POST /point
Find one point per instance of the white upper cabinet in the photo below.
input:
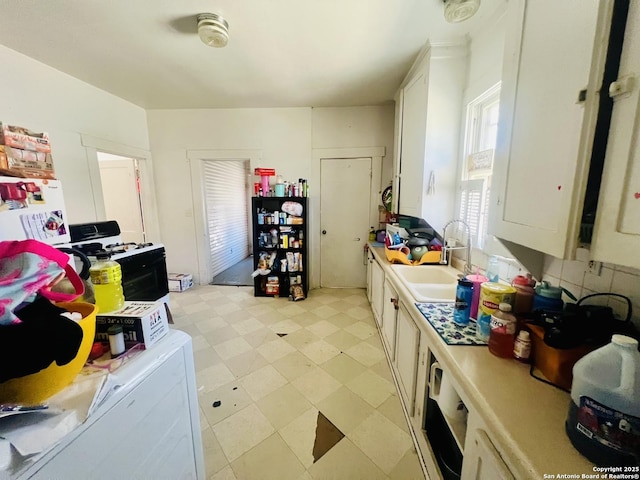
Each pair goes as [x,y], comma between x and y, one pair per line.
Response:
[617,227]
[552,55]
[427,134]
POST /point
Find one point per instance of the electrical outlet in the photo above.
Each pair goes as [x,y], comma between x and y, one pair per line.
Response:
[594,267]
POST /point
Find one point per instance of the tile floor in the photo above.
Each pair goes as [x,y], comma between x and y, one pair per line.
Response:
[274,365]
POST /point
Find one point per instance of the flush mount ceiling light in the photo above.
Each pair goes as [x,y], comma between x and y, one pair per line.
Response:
[213,30]
[456,11]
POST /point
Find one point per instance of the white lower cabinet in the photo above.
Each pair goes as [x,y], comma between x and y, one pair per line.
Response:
[407,345]
[377,290]
[482,460]
[389,319]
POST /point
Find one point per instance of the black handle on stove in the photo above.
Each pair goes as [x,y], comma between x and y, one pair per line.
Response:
[86,263]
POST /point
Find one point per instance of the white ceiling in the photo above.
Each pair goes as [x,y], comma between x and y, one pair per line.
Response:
[281,53]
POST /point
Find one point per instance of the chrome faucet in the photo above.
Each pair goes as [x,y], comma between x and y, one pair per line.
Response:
[447,249]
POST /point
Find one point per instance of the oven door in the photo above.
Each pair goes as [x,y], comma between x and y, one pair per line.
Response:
[144,276]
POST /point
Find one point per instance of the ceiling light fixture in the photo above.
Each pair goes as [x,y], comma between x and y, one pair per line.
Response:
[456,11]
[213,30]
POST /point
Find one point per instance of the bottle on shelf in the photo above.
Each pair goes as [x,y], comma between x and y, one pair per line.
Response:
[503,331]
[522,347]
[106,277]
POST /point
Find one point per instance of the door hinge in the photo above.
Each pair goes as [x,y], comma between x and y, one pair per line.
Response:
[622,86]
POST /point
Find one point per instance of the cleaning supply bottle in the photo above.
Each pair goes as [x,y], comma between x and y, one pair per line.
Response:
[493,269]
[503,331]
[603,423]
[106,277]
[372,235]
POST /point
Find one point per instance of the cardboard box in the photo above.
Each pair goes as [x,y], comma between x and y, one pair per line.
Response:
[142,322]
[179,282]
[24,139]
[26,162]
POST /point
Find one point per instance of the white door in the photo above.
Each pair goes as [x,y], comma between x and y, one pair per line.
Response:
[345,193]
[121,192]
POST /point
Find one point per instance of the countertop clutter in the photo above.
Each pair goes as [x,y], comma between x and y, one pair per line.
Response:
[524,419]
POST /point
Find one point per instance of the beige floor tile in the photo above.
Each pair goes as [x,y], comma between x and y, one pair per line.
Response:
[392,409]
[262,382]
[306,319]
[382,368]
[294,365]
[361,330]
[320,351]
[361,313]
[224,309]
[342,320]
[357,298]
[316,385]
[300,338]
[375,341]
[231,348]
[199,342]
[324,298]
[195,307]
[213,377]
[371,388]
[325,312]
[305,476]
[300,435]
[205,357]
[345,409]
[242,431]
[385,454]
[214,459]
[258,337]
[232,398]
[408,468]
[342,340]
[285,326]
[225,474]
[245,363]
[220,335]
[343,368]
[246,326]
[292,309]
[272,459]
[322,328]
[275,349]
[283,405]
[211,324]
[345,461]
[365,354]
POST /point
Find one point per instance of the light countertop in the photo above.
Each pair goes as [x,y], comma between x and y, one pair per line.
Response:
[524,417]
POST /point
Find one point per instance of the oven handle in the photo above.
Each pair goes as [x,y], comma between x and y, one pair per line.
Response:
[86,263]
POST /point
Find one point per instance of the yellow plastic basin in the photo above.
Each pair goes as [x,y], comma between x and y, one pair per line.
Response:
[38,387]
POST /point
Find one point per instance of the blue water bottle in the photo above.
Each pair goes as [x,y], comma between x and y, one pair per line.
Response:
[464,298]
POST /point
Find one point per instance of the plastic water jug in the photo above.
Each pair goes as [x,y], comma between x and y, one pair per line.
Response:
[106,277]
[604,415]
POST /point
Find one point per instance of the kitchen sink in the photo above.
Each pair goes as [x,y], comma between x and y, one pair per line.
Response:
[429,283]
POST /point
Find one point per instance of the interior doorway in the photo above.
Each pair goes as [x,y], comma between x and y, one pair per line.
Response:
[226,195]
[121,190]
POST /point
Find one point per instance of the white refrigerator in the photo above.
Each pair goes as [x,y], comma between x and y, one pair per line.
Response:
[33,208]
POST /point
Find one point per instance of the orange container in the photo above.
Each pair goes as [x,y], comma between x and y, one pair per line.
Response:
[555,364]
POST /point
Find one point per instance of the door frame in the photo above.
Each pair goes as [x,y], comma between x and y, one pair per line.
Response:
[92,146]
[196,159]
[376,154]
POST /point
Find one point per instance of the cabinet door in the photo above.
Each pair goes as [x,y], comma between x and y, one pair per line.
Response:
[407,344]
[482,461]
[413,132]
[377,290]
[546,132]
[389,316]
[617,227]
[370,260]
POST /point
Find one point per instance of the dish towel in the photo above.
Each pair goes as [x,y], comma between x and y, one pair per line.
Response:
[440,316]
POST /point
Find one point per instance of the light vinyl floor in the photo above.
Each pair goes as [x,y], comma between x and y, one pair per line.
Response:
[292,379]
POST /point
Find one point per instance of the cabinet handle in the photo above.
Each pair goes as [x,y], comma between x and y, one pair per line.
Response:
[395,303]
[324,232]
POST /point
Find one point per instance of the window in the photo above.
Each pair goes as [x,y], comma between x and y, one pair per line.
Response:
[477,165]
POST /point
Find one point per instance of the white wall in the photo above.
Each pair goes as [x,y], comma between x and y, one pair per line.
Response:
[41,98]
[285,138]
